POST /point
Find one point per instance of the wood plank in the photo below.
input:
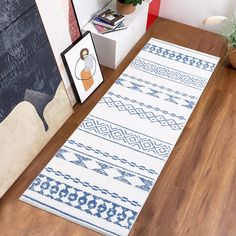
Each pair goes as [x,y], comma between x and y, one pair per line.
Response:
[195,193]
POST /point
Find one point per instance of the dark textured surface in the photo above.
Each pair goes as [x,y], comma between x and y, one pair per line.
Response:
[28,70]
[11,10]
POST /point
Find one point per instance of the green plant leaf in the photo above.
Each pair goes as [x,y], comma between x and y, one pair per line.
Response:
[230,32]
[133,2]
[127,1]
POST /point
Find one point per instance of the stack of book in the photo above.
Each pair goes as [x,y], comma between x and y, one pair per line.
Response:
[109,21]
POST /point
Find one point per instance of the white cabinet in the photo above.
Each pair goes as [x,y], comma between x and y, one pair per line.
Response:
[113,47]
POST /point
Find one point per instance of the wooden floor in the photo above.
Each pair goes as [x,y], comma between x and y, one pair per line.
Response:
[195,194]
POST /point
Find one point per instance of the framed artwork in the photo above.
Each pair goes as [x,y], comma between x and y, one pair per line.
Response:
[82,66]
[33,100]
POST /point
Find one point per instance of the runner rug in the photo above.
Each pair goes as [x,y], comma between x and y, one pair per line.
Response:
[101,177]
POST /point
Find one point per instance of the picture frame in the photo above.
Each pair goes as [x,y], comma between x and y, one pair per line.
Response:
[82,66]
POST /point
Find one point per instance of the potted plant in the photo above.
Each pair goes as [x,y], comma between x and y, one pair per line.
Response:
[127,6]
[231,39]
[228,29]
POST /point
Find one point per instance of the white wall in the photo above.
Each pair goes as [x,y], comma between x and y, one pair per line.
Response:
[86,9]
[193,12]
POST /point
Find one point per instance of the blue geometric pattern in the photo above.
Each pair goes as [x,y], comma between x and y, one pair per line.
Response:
[94,187]
[100,166]
[168,73]
[125,137]
[146,184]
[178,100]
[141,113]
[107,155]
[145,105]
[102,169]
[179,57]
[152,85]
[102,175]
[79,199]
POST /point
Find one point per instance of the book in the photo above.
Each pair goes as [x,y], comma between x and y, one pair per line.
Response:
[103,30]
[98,21]
[112,17]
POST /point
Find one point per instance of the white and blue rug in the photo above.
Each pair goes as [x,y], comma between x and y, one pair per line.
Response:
[102,176]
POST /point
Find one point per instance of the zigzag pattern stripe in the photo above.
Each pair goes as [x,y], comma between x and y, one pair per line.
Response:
[179,57]
[83,201]
[170,74]
[126,137]
[93,187]
[158,86]
[147,106]
[141,113]
[113,157]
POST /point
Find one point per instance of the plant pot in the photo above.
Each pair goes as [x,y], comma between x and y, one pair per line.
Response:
[232,57]
[124,9]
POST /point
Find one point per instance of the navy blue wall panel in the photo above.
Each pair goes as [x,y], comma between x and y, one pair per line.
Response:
[28,71]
